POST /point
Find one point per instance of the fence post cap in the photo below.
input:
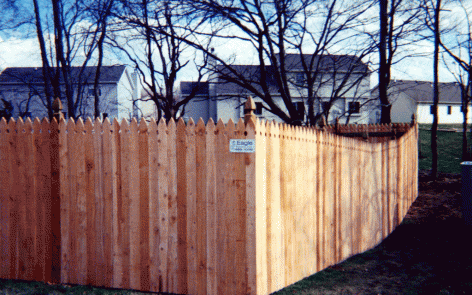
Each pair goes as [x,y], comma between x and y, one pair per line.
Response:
[249,108]
[57,105]
[57,108]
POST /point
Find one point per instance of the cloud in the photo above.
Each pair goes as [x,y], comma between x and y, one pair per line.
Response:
[19,53]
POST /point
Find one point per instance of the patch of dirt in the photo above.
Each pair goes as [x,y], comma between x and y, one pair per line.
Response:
[429,253]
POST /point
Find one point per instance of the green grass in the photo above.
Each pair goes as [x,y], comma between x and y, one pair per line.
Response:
[30,288]
[449,149]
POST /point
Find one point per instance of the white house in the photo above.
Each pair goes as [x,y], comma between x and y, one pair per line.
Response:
[342,82]
[119,90]
[416,97]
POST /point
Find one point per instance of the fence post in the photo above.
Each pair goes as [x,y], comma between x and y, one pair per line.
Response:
[249,108]
[55,216]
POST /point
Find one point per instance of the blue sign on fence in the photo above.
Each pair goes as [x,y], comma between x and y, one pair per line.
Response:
[242,145]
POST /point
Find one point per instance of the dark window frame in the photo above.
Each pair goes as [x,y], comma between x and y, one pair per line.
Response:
[354,107]
[259,108]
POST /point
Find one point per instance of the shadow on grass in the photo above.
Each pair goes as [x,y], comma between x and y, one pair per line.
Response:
[429,258]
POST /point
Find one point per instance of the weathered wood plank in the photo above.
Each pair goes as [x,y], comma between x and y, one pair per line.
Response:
[200,210]
[6,178]
[134,207]
[251,266]
[191,209]
[153,206]
[91,210]
[81,213]
[109,183]
[143,149]
[173,233]
[163,204]
[181,160]
[124,206]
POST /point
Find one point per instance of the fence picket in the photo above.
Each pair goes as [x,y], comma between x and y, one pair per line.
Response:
[190,167]
[99,199]
[108,178]
[143,158]
[173,234]
[5,203]
[168,208]
[181,160]
[211,209]
[90,210]
[163,204]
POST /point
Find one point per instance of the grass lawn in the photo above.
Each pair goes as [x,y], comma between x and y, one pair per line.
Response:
[449,149]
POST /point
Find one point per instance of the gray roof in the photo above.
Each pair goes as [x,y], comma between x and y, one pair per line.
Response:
[326,63]
[202,88]
[30,75]
[293,63]
[422,91]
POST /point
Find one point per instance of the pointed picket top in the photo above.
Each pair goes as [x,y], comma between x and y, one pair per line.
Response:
[116,126]
[124,126]
[210,127]
[3,125]
[79,126]
[200,127]
[152,127]
[191,122]
[28,127]
[152,122]
[162,127]
[181,125]
[36,124]
[171,126]
[220,128]
[269,129]
[54,122]
[240,127]
[11,125]
[133,126]
[230,128]
[20,125]
[88,124]
[106,124]
[97,121]
[190,129]
[70,125]
[143,127]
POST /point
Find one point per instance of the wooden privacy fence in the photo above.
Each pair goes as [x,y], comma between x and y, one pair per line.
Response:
[168,207]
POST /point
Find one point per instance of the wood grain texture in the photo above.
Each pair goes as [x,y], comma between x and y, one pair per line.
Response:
[167,207]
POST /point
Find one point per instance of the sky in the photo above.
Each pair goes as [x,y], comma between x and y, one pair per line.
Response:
[24,52]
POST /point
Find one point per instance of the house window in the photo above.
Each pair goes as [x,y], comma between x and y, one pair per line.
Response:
[325,106]
[354,107]
[300,78]
[92,93]
[300,107]
[258,110]
[431,110]
[449,110]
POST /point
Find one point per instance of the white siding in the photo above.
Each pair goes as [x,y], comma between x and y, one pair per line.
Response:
[456,117]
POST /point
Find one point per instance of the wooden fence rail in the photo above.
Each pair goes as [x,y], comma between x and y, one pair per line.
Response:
[167,207]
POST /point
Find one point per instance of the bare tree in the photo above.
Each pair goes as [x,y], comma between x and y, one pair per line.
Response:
[153,42]
[77,34]
[461,53]
[400,25]
[276,30]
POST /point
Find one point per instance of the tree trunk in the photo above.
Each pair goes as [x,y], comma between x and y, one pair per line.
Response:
[434,131]
[383,69]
